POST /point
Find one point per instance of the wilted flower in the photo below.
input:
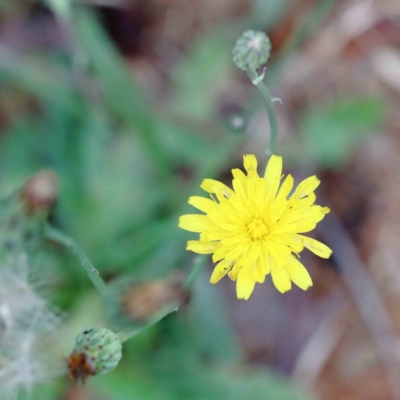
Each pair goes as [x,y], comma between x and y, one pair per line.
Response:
[255,229]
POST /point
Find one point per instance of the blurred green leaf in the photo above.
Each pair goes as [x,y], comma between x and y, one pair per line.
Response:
[120,91]
[199,78]
[41,78]
[266,13]
[211,328]
[332,132]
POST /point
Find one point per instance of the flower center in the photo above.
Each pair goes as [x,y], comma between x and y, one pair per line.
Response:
[257,229]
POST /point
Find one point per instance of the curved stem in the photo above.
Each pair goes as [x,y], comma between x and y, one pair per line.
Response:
[64,240]
[273,122]
[129,333]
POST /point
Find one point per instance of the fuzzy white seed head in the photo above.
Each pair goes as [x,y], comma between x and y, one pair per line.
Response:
[26,320]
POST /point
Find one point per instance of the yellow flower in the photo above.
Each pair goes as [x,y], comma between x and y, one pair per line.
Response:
[255,229]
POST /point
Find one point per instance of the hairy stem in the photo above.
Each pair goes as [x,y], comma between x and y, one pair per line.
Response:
[269,105]
[67,242]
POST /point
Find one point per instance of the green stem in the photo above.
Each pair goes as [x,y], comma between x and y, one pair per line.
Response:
[199,263]
[64,240]
[273,122]
[129,333]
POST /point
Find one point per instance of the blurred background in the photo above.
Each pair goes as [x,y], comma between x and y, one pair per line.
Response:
[132,103]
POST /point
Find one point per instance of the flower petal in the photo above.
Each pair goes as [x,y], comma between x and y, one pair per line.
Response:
[232,252]
[250,165]
[315,246]
[195,223]
[202,203]
[245,284]
[306,187]
[272,177]
[295,244]
[202,247]
[281,279]
[298,273]
[213,186]
[220,270]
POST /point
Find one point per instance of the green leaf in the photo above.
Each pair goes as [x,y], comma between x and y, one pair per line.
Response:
[211,328]
[267,13]
[120,91]
[41,78]
[199,78]
[331,133]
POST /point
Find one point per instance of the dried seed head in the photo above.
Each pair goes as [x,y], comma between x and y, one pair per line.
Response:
[97,351]
[27,322]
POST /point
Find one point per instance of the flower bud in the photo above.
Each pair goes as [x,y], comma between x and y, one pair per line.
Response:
[136,303]
[23,215]
[251,50]
[40,191]
[97,351]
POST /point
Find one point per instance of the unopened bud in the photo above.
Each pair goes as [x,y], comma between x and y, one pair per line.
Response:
[135,303]
[97,351]
[40,191]
[251,50]
[23,215]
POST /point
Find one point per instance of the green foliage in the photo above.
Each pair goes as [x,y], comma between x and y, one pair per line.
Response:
[126,168]
[267,13]
[332,132]
[178,372]
[200,76]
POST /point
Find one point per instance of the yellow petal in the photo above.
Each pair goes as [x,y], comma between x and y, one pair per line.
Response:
[286,187]
[263,261]
[280,203]
[259,276]
[230,252]
[250,165]
[202,247]
[211,236]
[298,273]
[202,203]
[295,244]
[213,186]
[272,178]
[278,254]
[239,174]
[234,272]
[226,223]
[281,279]
[220,270]
[302,226]
[315,246]
[236,240]
[306,187]
[195,223]
[253,260]
[240,189]
[245,284]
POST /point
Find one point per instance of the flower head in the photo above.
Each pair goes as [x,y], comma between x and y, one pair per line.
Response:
[256,228]
[97,351]
[251,50]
